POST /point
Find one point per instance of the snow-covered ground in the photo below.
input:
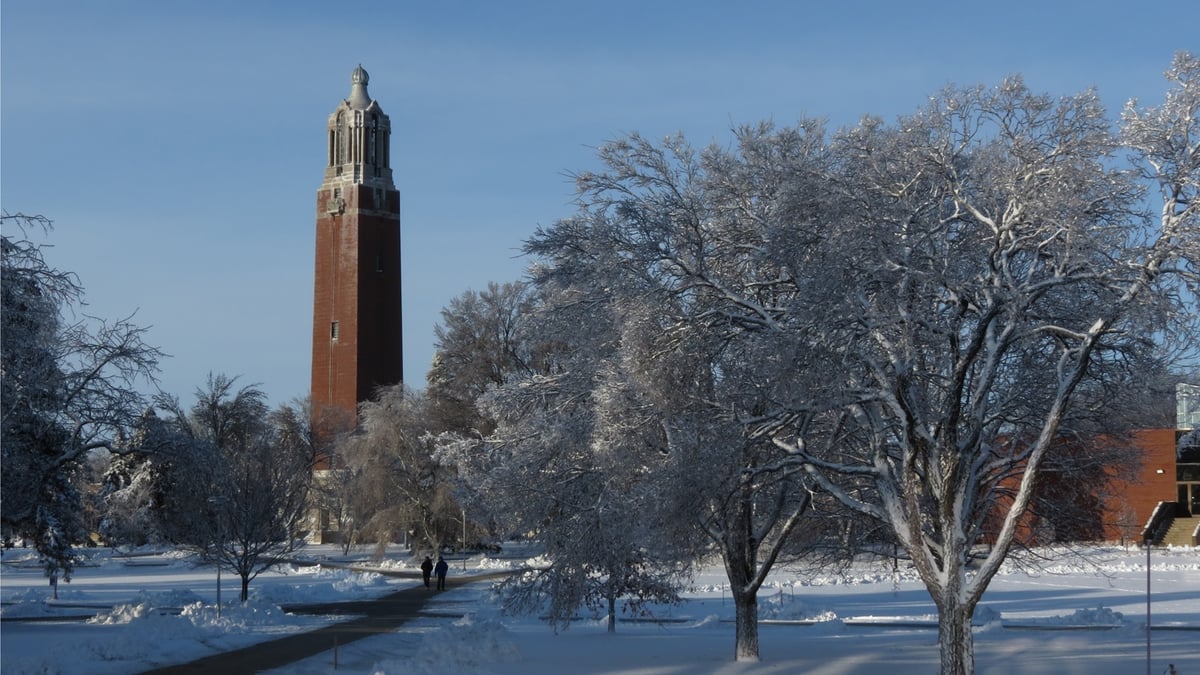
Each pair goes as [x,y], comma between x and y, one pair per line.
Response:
[1073,616]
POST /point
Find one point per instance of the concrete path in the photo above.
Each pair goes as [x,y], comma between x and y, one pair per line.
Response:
[372,617]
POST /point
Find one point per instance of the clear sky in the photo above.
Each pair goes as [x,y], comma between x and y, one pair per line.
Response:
[178,146]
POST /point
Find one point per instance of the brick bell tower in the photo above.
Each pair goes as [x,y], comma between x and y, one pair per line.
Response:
[357,344]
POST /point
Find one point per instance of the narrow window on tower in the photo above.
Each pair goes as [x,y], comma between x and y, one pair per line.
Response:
[333,331]
[372,157]
[339,150]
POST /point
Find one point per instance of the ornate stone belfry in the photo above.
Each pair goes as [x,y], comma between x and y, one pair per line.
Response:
[359,139]
[357,345]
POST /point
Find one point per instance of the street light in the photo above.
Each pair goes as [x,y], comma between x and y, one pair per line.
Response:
[1149,542]
[219,501]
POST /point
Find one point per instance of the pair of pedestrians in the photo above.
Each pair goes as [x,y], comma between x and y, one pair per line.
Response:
[439,569]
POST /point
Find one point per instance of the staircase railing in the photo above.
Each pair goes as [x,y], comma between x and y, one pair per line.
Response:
[1160,521]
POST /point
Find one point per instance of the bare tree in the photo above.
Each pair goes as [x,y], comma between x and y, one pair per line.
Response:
[259,504]
[250,471]
[68,389]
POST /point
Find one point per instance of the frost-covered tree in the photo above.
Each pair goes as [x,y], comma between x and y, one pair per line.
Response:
[260,502]
[665,239]
[134,487]
[336,500]
[595,521]
[924,318]
[479,343]
[250,471]
[989,274]
[156,483]
[69,387]
[556,470]
[483,342]
[389,468]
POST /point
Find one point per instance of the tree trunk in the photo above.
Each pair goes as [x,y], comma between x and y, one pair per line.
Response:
[741,555]
[955,639]
[245,587]
[612,612]
[746,639]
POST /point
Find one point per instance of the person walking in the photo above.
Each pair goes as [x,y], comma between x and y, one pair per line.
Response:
[440,570]
[426,570]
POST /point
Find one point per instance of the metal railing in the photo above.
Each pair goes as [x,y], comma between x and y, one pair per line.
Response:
[1160,521]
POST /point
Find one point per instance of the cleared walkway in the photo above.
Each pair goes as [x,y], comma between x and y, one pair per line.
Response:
[373,617]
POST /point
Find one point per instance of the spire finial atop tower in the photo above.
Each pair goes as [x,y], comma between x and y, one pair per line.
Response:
[359,99]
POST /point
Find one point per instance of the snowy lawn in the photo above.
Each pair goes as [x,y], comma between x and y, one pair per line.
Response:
[1072,617]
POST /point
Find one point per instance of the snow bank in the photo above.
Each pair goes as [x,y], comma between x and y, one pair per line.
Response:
[321,584]
[466,646]
[1101,617]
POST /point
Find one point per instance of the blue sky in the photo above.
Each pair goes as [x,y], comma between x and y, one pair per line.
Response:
[178,146]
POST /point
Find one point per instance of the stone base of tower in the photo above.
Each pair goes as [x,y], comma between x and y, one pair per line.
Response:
[322,522]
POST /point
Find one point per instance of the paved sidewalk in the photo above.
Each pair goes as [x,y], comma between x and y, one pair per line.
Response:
[373,617]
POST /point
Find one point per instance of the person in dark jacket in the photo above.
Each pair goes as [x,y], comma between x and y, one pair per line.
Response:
[426,570]
[440,570]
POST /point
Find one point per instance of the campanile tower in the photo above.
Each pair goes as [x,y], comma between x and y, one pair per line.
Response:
[356,343]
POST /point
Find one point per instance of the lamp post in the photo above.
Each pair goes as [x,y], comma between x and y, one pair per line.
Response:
[1149,541]
[218,502]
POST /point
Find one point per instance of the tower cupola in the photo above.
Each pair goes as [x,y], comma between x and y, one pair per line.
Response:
[359,98]
[359,139]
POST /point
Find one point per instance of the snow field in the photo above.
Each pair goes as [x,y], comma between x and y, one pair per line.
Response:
[1075,616]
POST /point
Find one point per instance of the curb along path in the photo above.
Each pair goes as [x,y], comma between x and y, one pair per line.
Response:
[373,617]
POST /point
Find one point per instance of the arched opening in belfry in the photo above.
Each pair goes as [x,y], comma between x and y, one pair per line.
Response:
[340,138]
[372,144]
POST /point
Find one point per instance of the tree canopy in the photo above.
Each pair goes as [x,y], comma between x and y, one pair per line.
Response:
[70,386]
[915,318]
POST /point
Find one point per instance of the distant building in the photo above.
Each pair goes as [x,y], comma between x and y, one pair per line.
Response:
[1163,502]
[1133,498]
[1159,501]
[356,340]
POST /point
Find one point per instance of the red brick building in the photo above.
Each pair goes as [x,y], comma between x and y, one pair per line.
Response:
[1134,497]
[1074,504]
[356,343]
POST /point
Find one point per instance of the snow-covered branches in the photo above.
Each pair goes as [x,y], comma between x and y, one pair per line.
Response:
[392,482]
[230,476]
[920,318]
[69,387]
[481,342]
